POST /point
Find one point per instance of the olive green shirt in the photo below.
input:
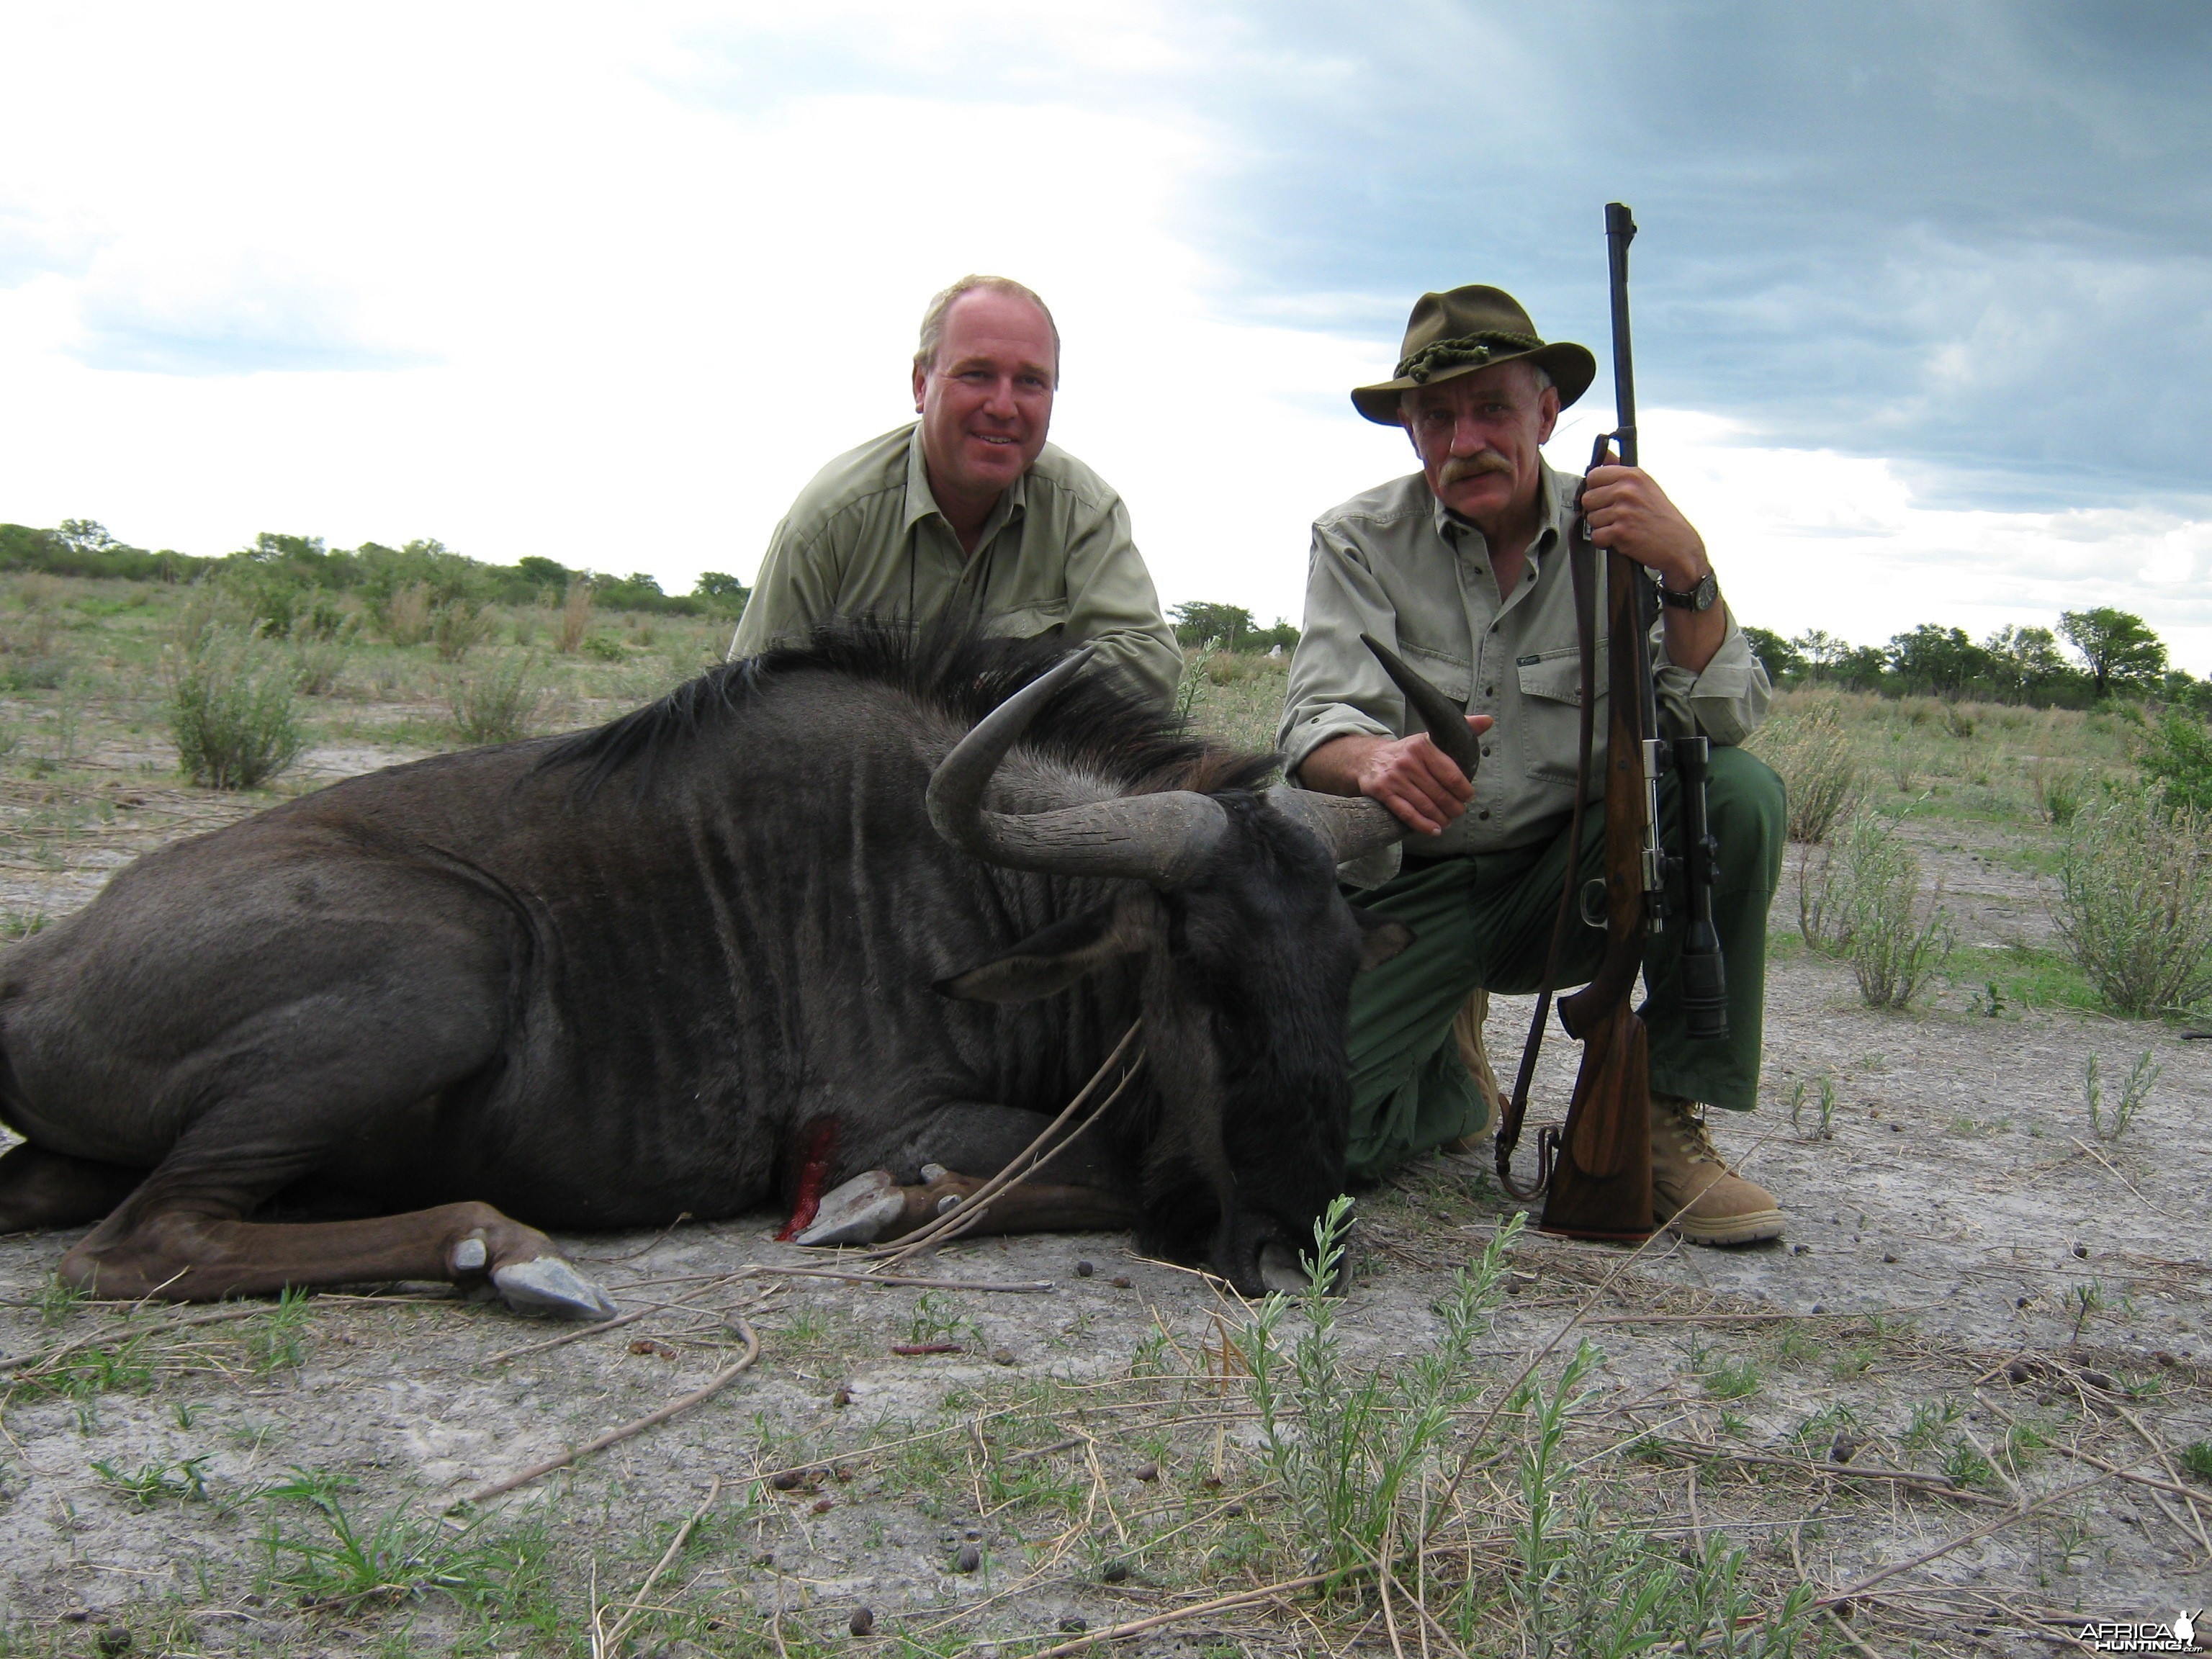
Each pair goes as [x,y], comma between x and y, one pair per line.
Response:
[1395,563]
[866,537]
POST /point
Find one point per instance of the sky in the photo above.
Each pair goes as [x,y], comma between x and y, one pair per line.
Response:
[1922,293]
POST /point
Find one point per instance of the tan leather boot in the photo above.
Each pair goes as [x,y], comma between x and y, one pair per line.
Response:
[1708,1202]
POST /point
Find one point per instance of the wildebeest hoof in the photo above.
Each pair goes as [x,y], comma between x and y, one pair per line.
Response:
[951,1201]
[858,1211]
[1280,1270]
[933,1172]
[472,1255]
[551,1286]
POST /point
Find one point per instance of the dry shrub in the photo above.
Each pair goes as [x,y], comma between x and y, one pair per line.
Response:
[407,615]
[1860,899]
[1809,746]
[316,665]
[497,705]
[458,626]
[575,619]
[1228,667]
[231,708]
[2135,902]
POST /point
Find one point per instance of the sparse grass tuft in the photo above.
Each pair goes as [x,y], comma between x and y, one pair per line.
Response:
[2142,1078]
[2135,902]
[1807,742]
[1861,901]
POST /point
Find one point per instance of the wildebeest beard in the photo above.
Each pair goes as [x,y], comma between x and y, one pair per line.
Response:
[722,951]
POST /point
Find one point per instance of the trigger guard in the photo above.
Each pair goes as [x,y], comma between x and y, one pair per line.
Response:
[1593,891]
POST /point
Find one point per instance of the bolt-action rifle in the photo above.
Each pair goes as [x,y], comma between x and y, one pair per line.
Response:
[1594,1170]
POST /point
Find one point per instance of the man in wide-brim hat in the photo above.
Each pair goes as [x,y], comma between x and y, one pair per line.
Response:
[1461,569]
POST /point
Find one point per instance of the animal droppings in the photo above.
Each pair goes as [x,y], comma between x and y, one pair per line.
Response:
[1149,1472]
[1083,1270]
[2082,1251]
[1002,1356]
[910,1349]
[968,1559]
[1115,1572]
[1889,1257]
[114,1640]
[784,1479]
[1072,1626]
[1119,1283]
[842,1398]
[824,1506]
[864,1620]
[646,1345]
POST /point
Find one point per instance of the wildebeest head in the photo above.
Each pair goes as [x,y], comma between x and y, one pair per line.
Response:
[1245,951]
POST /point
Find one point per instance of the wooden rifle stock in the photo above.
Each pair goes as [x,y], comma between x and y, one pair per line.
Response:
[1601,1176]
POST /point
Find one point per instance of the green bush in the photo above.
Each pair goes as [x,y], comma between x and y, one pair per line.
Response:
[1809,745]
[2135,902]
[1862,901]
[231,708]
[458,625]
[497,705]
[2178,759]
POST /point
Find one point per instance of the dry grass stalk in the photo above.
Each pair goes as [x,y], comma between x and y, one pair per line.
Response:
[575,618]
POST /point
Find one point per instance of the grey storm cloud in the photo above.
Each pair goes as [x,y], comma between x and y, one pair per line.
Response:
[1975,237]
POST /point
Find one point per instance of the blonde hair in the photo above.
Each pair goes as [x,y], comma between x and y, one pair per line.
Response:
[933,319]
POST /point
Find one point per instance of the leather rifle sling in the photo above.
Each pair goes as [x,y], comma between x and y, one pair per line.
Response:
[1582,560]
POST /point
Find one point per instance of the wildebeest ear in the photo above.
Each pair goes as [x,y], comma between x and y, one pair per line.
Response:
[1051,959]
[1380,938]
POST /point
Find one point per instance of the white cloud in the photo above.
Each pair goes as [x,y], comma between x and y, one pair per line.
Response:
[526,281]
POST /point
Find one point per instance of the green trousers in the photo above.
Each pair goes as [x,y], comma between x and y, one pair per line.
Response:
[1485,923]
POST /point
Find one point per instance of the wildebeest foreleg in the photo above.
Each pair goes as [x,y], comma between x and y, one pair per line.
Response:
[199,1257]
[39,1189]
[924,1173]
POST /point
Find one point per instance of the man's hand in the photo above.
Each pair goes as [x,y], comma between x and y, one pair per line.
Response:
[1410,775]
[1625,509]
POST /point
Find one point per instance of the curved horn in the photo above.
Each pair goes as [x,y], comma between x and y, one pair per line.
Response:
[1350,826]
[1446,723]
[1353,826]
[1160,839]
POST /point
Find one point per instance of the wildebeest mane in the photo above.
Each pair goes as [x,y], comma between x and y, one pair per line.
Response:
[1098,723]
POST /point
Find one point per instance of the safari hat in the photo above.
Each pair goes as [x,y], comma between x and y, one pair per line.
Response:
[1465,329]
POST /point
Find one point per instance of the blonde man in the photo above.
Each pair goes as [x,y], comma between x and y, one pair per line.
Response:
[967,510]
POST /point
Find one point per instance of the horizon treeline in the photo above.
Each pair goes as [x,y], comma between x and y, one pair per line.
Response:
[2090,656]
[284,572]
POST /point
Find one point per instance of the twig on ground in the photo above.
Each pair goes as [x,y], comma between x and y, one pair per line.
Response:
[612,1643]
[2009,1518]
[721,1380]
[220,1315]
[1028,1286]
[577,1335]
[2115,1174]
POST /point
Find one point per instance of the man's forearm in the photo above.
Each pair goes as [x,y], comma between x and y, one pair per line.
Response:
[1692,637]
[1333,769]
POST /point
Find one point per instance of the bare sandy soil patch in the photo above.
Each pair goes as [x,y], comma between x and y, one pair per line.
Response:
[1963,1390]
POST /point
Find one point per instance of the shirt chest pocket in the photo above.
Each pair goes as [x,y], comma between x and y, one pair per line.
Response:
[1026,621]
[1551,687]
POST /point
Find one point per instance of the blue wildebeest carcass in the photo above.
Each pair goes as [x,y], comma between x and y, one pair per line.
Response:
[846,920]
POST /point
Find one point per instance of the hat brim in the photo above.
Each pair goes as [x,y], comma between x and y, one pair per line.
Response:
[1570,366]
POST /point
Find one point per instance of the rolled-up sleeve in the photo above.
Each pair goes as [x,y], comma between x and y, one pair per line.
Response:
[1727,702]
[1111,602]
[1337,689]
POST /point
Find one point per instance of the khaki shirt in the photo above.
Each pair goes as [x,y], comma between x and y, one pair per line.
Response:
[1395,563]
[865,537]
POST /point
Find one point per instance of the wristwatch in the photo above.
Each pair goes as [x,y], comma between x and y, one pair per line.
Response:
[1699,597]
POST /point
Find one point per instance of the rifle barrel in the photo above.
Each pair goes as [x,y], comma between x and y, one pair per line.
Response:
[1619,232]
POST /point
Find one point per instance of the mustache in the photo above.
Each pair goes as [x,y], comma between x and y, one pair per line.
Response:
[1473,466]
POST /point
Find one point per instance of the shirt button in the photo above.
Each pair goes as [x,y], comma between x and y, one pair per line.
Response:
[1484,813]
[1485,754]
[1489,690]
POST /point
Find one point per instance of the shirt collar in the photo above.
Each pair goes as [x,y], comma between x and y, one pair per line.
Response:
[921,504]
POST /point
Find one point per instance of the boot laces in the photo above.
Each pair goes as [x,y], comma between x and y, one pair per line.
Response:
[1698,1139]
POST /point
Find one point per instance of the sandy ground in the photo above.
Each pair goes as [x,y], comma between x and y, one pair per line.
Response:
[1967,1261]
